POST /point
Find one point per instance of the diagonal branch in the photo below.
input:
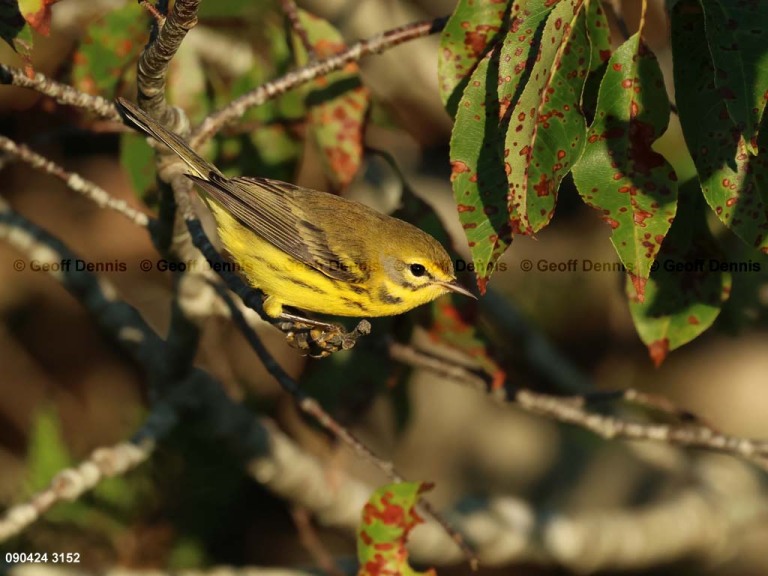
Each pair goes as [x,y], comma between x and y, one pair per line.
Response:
[62,93]
[83,187]
[375,45]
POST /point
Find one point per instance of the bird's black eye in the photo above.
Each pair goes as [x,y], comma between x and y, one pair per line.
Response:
[418,270]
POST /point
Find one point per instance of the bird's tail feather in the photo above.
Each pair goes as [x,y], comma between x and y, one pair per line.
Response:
[137,118]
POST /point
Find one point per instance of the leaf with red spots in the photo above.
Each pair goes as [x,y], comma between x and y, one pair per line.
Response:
[38,14]
[477,171]
[687,287]
[15,30]
[737,38]
[338,104]
[734,182]
[452,326]
[599,34]
[546,129]
[619,173]
[453,319]
[107,55]
[387,519]
[469,34]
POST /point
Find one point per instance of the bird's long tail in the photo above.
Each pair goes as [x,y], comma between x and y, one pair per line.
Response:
[137,118]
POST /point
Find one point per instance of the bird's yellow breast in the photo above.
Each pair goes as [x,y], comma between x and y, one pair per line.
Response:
[288,282]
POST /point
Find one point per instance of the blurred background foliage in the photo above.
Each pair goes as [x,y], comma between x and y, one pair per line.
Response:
[65,391]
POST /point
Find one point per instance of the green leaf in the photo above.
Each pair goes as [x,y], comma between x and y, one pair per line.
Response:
[599,33]
[477,171]
[454,327]
[737,35]
[338,104]
[110,50]
[687,287]
[17,33]
[138,161]
[388,517]
[47,454]
[38,14]
[546,129]
[619,173]
[734,182]
[468,35]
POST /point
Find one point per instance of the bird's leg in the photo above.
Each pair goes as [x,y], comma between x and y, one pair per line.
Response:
[319,339]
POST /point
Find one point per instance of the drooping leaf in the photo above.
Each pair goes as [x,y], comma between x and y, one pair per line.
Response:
[619,174]
[477,170]
[468,35]
[17,33]
[737,35]
[688,284]
[110,50]
[599,33]
[338,104]
[450,327]
[388,517]
[38,14]
[546,130]
[734,182]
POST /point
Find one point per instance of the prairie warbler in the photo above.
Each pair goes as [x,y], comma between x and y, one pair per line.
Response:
[313,250]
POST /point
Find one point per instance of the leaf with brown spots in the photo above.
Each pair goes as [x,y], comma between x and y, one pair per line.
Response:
[387,519]
[619,173]
[38,14]
[477,172]
[15,30]
[546,130]
[734,182]
[737,38]
[686,290]
[471,31]
[338,104]
[106,57]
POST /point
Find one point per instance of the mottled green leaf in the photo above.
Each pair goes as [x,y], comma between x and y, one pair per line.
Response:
[38,14]
[387,519]
[452,326]
[477,171]
[619,174]
[110,50]
[16,32]
[599,34]
[468,35]
[338,103]
[546,130]
[737,35]
[734,182]
[688,285]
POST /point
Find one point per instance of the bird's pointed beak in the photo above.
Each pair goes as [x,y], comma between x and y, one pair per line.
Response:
[454,286]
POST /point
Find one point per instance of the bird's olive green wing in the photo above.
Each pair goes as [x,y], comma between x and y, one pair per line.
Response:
[273,210]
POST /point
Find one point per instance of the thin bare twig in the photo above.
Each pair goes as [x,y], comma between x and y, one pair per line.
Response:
[573,410]
[375,45]
[291,12]
[156,14]
[98,195]
[71,483]
[62,93]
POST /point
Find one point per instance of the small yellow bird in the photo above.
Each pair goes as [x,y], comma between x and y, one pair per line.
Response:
[312,250]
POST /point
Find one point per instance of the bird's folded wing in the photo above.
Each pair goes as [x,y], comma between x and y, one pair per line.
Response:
[268,208]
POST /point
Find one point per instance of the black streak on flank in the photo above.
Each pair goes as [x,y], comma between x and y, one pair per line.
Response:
[388,298]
